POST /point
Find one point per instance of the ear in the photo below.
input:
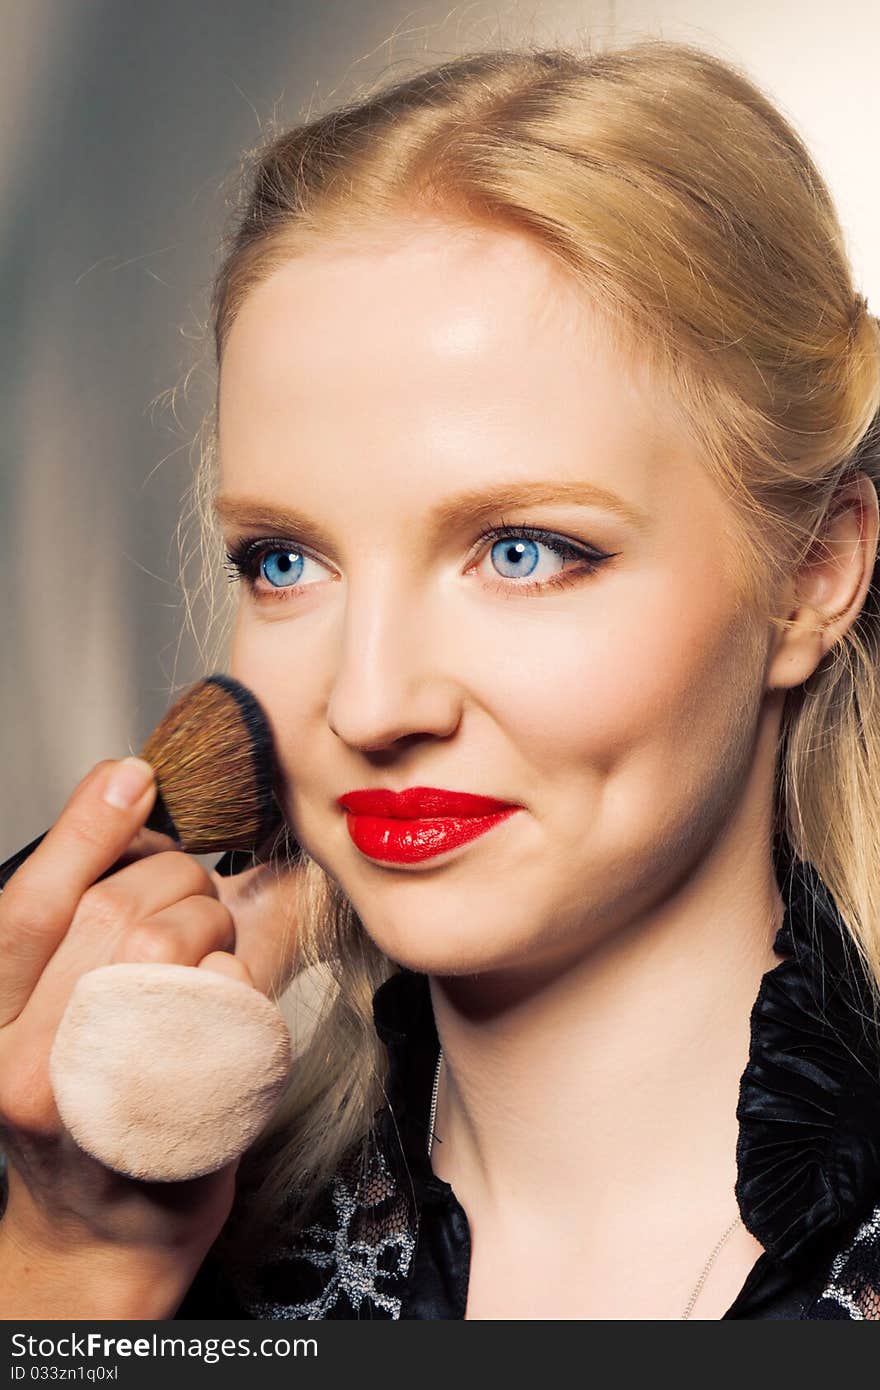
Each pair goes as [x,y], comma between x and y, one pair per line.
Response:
[826,594]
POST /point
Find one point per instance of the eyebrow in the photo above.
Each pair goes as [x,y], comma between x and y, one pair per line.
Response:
[474,504]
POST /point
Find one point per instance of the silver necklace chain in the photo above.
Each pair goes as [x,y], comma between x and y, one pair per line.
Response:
[433,1113]
[709,1263]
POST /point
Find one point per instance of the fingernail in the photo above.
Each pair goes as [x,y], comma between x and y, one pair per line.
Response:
[127,783]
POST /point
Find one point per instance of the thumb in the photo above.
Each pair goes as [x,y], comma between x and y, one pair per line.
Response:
[104,812]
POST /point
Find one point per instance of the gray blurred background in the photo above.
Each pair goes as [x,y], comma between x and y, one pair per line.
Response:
[121,128]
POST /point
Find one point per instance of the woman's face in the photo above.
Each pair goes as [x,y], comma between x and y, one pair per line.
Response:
[405,404]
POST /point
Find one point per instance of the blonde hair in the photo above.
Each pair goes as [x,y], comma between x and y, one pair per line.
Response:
[692,216]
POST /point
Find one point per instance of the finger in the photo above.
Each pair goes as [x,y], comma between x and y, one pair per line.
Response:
[157,890]
[242,887]
[220,963]
[95,827]
[141,889]
[265,906]
[180,935]
[251,881]
[146,842]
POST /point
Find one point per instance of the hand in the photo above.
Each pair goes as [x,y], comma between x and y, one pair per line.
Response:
[59,917]
[264,904]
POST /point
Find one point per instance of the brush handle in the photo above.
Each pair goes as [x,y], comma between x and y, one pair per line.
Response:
[16,861]
[158,819]
[234,861]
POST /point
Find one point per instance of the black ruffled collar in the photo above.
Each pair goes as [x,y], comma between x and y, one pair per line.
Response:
[808,1151]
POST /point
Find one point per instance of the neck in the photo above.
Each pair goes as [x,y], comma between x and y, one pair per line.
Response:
[617,1075]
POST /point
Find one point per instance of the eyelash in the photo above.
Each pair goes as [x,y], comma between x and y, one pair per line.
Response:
[243,560]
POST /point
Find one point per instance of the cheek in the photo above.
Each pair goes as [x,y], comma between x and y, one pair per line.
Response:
[272,667]
[649,683]
[670,734]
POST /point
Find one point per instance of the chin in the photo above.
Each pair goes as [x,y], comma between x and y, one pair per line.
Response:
[436,952]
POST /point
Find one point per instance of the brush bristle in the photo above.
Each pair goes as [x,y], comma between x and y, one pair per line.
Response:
[215,767]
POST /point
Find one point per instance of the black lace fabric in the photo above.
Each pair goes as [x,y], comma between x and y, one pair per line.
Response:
[853,1288]
[352,1259]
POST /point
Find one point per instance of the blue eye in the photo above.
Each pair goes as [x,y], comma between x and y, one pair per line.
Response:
[515,557]
[282,568]
[517,554]
[277,563]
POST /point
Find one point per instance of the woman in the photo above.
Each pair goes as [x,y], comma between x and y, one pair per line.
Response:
[547,460]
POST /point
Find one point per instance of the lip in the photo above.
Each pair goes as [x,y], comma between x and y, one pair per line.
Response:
[417,803]
[419,823]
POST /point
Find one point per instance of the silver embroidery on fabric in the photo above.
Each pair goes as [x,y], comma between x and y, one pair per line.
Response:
[850,1285]
[361,1230]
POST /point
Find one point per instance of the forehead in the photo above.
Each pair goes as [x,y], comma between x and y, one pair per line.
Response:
[436,303]
[460,288]
[443,351]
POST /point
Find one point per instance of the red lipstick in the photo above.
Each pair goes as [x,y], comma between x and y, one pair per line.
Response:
[419,823]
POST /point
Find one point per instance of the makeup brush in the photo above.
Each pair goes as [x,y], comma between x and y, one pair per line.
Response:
[167,1072]
[214,762]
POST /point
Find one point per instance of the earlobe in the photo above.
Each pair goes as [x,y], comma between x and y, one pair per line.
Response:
[799,651]
[831,584]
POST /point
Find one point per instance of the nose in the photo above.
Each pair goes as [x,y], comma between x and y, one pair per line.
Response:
[389,683]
